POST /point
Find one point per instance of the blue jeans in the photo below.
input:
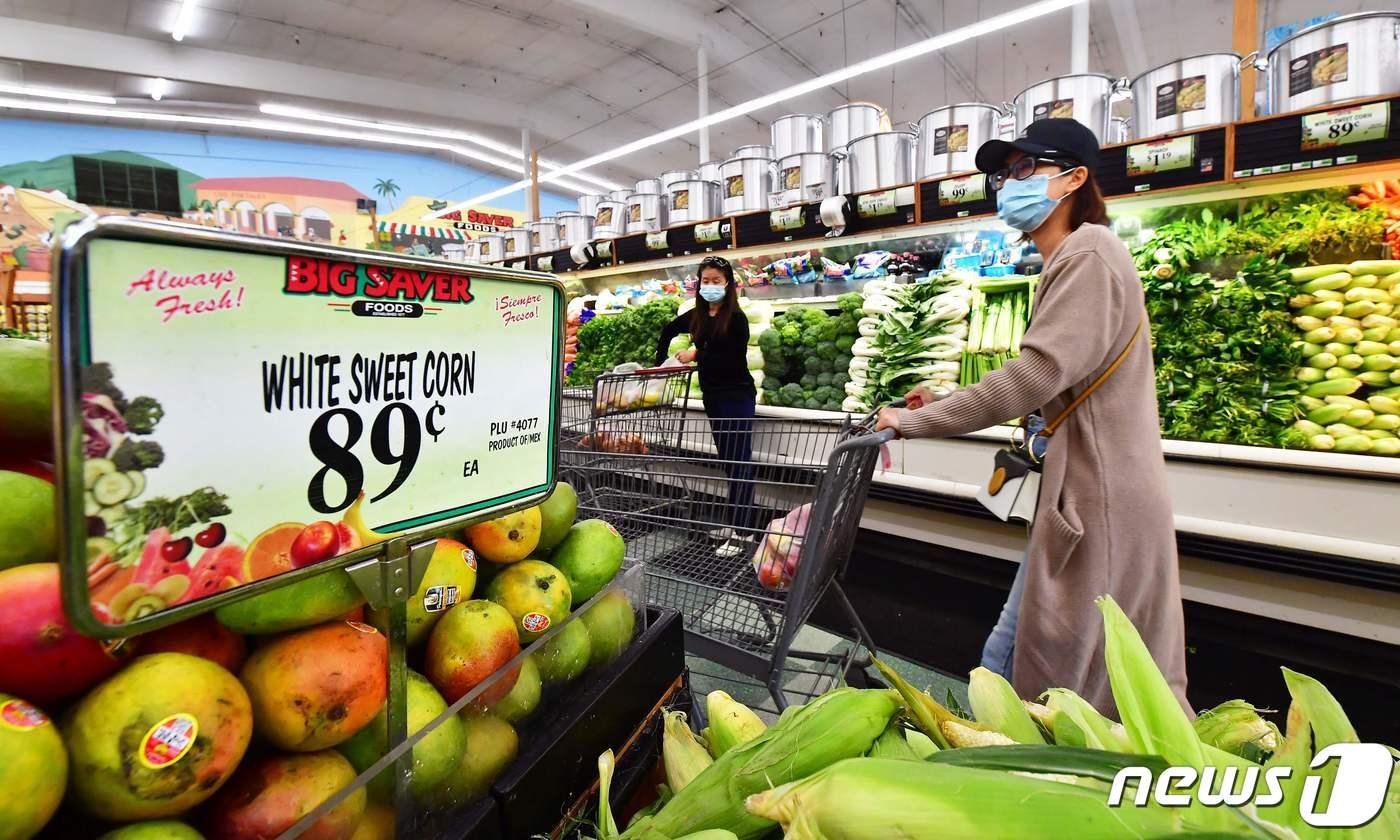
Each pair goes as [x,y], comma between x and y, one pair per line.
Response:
[731,426]
[1001,644]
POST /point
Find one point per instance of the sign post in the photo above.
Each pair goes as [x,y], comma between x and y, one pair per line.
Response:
[300,407]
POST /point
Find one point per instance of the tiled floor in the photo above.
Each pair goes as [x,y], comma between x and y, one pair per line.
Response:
[707,676]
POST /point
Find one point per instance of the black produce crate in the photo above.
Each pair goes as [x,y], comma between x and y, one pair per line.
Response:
[479,821]
[1207,166]
[1274,145]
[558,758]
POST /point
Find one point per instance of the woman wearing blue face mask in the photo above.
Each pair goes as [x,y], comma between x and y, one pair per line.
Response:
[720,334]
[1103,522]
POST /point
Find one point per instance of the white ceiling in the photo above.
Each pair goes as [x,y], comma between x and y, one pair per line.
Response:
[584,75]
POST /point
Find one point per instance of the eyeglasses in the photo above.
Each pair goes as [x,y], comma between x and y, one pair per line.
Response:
[1024,167]
[714,262]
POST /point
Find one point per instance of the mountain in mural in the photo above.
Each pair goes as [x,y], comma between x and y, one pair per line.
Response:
[57,173]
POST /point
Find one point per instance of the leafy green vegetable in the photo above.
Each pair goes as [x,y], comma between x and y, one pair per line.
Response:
[629,336]
[201,505]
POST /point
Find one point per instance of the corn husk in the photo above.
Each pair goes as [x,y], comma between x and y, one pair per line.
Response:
[731,723]
[892,744]
[1236,726]
[995,703]
[879,798]
[682,754]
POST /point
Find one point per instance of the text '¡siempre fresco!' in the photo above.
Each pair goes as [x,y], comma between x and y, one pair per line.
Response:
[201,293]
[313,276]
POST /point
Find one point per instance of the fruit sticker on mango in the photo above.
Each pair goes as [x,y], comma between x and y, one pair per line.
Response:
[168,741]
[19,715]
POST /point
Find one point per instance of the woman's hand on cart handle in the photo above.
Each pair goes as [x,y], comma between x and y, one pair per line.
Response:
[888,420]
[687,355]
[919,397]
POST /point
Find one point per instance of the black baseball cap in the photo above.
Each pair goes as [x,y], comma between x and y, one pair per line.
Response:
[1049,138]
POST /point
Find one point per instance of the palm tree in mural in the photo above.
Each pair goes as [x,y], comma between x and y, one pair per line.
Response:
[386,188]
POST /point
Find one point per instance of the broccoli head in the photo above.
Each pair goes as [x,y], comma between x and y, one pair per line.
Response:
[813,317]
[839,379]
[829,329]
[138,455]
[770,341]
[842,362]
[832,405]
[794,313]
[824,379]
[848,324]
[844,343]
[850,302]
[816,364]
[808,381]
[790,334]
[142,415]
[774,368]
[827,350]
[791,393]
[771,383]
[812,404]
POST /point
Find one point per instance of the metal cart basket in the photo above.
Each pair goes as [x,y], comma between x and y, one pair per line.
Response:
[697,497]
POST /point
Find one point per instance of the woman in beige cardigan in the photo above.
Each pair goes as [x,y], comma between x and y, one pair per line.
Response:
[1103,522]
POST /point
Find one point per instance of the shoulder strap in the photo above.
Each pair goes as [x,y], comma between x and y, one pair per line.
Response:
[1093,386]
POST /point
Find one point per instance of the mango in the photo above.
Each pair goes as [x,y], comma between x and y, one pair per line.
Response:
[269,794]
[590,557]
[309,601]
[27,430]
[434,757]
[34,771]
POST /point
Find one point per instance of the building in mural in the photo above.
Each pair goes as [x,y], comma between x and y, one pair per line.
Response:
[405,229]
[309,209]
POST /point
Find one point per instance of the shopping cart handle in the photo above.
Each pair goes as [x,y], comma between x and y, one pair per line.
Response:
[899,403]
[885,435]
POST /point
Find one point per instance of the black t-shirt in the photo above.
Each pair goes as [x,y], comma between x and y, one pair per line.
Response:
[722,359]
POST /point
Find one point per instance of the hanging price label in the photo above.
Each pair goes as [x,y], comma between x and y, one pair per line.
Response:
[547,263]
[604,249]
[1161,156]
[790,219]
[1346,125]
[656,241]
[964,190]
[875,204]
[707,232]
[309,398]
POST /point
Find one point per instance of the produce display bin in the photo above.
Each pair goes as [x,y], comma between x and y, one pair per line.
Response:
[558,761]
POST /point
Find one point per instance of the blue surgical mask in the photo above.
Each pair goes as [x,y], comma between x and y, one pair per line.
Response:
[712,294]
[1026,204]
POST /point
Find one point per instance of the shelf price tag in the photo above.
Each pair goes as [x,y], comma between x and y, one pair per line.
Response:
[963,190]
[547,263]
[1342,126]
[267,406]
[875,204]
[656,241]
[789,219]
[604,249]
[1161,156]
[709,232]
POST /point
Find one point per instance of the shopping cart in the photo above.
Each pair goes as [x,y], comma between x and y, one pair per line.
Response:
[695,500]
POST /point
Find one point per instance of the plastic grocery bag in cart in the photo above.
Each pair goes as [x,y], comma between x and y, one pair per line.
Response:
[777,556]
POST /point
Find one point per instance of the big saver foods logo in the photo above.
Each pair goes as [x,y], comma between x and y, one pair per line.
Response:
[382,291]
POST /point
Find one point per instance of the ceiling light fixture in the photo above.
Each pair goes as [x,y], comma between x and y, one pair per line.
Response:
[423,131]
[159,87]
[49,93]
[182,20]
[879,62]
[275,126]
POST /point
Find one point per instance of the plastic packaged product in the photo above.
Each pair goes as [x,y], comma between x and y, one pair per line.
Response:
[833,270]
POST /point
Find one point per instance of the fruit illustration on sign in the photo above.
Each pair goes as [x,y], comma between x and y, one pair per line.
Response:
[42,657]
[34,771]
[434,757]
[469,644]
[270,553]
[158,738]
[508,539]
[314,688]
[216,570]
[590,557]
[356,534]
[316,542]
[535,594]
[269,794]
[557,514]
[27,533]
[449,580]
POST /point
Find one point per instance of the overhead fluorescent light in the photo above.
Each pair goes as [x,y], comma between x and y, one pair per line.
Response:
[860,68]
[49,93]
[275,126]
[159,87]
[423,131]
[182,20]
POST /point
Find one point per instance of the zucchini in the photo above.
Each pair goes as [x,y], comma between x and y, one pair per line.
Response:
[95,468]
[1374,267]
[1389,446]
[1325,309]
[1327,282]
[1351,361]
[138,482]
[1322,361]
[112,489]
[1355,443]
[1309,375]
[1363,281]
[1324,443]
[1037,758]
[1303,274]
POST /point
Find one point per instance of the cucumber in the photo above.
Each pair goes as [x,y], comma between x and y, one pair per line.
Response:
[90,505]
[112,514]
[138,483]
[1036,758]
[95,468]
[112,488]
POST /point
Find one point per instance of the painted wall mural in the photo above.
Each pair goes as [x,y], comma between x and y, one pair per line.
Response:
[297,190]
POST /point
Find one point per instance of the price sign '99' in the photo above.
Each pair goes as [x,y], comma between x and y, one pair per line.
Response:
[241,408]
